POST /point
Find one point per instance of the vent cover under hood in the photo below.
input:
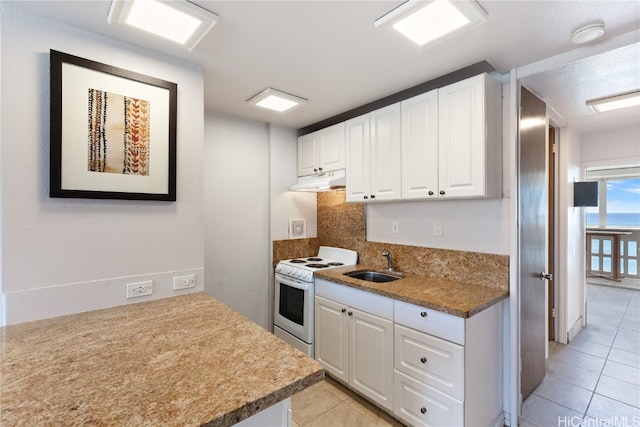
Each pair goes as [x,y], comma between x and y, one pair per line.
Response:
[335,180]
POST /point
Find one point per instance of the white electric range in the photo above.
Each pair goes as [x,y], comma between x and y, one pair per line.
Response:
[295,291]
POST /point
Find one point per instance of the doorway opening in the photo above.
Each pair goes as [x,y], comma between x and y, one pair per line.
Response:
[613,227]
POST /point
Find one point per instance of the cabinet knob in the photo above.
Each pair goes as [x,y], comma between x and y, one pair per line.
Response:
[315,169]
[343,310]
[373,196]
[320,169]
[430,193]
[442,192]
[350,313]
[423,410]
[423,314]
[366,197]
[423,359]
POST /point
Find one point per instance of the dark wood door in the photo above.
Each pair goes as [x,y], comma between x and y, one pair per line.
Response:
[532,218]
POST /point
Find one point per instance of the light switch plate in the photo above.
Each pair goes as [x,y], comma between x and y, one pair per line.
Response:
[297,228]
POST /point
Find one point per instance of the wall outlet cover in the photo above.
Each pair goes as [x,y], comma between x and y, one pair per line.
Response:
[139,289]
[297,228]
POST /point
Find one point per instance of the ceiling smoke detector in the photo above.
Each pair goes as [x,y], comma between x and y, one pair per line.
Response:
[588,33]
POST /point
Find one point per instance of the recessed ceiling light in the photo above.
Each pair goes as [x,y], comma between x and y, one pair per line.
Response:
[425,23]
[615,102]
[178,20]
[275,100]
[588,33]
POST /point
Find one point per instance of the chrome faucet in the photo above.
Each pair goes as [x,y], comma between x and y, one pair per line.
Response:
[387,255]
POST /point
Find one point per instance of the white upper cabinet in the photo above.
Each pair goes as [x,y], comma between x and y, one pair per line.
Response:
[451,141]
[322,150]
[469,139]
[374,156]
[420,146]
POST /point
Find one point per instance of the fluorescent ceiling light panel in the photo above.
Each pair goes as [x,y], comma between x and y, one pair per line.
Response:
[424,23]
[275,100]
[178,20]
[615,102]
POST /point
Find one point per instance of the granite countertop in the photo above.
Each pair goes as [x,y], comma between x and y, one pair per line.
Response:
[458,299]
[187,360]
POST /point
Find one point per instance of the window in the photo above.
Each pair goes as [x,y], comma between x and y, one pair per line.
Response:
[619,198]
[613,228]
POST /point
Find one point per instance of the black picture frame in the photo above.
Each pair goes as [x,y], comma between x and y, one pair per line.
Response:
[149,161]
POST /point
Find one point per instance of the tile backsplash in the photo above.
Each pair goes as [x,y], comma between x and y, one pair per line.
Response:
[343,225]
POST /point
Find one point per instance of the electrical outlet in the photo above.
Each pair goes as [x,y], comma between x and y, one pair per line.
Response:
[184,282]
[437,228]
[139,289]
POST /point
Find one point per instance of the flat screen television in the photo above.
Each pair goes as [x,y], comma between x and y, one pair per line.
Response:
[585,194]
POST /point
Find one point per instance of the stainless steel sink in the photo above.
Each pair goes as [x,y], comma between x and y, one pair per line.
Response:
[372,276]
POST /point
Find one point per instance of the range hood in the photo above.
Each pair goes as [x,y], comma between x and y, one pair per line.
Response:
[335,180]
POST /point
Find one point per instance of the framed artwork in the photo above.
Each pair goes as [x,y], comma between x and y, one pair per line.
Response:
[113,132]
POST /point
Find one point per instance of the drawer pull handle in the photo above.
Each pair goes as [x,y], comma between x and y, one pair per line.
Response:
[423,314]
[423,410]
[423,359]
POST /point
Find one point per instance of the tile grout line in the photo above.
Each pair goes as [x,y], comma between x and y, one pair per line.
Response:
[606,360]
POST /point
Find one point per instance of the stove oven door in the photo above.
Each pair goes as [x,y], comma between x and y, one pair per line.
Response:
[293,307]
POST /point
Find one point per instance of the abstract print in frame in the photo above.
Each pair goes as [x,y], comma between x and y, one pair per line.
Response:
[113,132]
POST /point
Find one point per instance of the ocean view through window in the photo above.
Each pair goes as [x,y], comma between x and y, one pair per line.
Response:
[613,227]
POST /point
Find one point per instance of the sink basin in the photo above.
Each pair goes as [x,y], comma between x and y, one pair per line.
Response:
[372,276]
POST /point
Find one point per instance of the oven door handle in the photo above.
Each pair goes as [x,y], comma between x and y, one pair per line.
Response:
[291,282]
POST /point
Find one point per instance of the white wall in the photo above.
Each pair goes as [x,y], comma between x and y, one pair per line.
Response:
[470,225]
[246,164]
[285,204]
[236,203]
[571,269]
[61,256]
[611,147]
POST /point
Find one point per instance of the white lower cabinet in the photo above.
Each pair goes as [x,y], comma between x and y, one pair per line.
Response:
[426,367]
[354,339]
[371,356]
[448,370]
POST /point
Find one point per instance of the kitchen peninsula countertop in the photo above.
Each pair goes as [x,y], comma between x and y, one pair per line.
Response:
[187,360]
[459,299]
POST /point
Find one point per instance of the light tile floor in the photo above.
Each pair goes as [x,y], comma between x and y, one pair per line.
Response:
[595,379]
[329,404]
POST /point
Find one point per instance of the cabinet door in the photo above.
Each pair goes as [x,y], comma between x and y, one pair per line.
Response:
[331,334]
[371,356]
[462,152]
[331,148]
[307,154]
[386,149]
[420,146]
[358,166]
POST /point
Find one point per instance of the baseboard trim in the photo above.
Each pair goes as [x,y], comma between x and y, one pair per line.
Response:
[573,331]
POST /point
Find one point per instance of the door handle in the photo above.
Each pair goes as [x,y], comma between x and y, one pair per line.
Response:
[546,276]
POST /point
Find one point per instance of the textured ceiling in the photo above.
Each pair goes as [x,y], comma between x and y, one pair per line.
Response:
[330,52]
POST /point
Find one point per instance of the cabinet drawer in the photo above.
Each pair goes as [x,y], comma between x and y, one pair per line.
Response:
[355,298]
[433,361]
[421,405]
[441,325]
